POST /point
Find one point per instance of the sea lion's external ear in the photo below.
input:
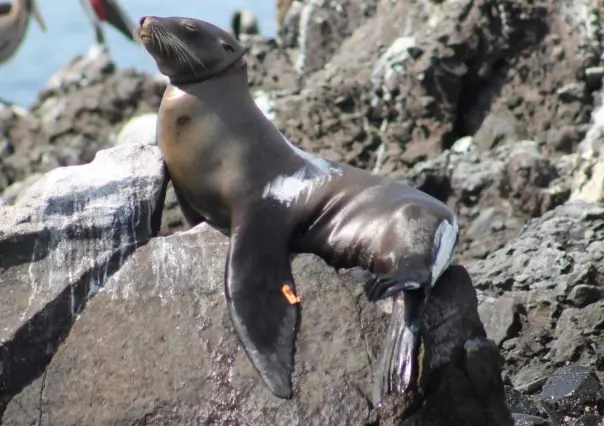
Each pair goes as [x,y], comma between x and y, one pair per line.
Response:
[261,298]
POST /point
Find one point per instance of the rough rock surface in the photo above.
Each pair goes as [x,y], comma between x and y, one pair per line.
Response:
[100,314]
[501,69]
[571,392]
[60,241]
[155,346]
[542,300]
[494,106]
[493,192]
[588,165]
[80,111]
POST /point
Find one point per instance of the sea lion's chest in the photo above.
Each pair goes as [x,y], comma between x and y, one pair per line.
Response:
[188,137]
[184,132]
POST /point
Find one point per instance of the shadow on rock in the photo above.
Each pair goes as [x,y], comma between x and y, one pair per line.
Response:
[60,242]
[461,368]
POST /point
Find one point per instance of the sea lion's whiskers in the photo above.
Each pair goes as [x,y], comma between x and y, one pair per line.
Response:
[160,43]
[138,41]
[180,45]
[171,46]
[185,58]
[174,49]
[186,51]
[183,55]
[137,38]
[191,53]
[135,35]
[156,38]
[160,34]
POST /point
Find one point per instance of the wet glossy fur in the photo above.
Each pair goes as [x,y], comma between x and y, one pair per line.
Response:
[233,168]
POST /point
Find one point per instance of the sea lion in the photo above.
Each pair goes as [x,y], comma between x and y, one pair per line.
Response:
[231,167]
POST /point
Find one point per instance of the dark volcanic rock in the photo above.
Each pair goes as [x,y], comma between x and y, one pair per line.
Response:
[475,371]
[270,67]
[571,391]
[500,317]
[518,403]
[484,104]
[493,192]
[589,420]
[562,248]
[157,343]
[153,342]
[172,219]
[578,335]
[437,71]
[539,269]
[528,420]
[323,26]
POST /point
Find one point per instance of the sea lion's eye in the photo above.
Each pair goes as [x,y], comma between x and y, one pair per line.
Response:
[228,47]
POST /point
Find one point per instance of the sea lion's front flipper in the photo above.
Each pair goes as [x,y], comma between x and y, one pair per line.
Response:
[261,299]
[191,216]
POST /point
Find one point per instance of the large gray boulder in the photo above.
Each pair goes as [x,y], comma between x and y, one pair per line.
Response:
[106,323]
[60,242]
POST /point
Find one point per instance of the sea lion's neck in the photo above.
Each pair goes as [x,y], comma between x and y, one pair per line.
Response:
[190,78]
[227,90]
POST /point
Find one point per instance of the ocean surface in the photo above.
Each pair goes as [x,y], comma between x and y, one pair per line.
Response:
[69,33]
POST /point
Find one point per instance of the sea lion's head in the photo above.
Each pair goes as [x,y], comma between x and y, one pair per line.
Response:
[188,50]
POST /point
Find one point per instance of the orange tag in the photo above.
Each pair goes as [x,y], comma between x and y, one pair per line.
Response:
[289,295]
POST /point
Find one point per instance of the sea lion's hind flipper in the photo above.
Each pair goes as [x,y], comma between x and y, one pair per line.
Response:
[261,300]
[382,286]
[398,367]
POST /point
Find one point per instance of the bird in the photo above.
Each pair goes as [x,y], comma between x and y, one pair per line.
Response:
[111,12]
[14,22]
[244,22]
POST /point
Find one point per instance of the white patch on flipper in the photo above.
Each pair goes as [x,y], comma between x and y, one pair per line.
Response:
[445,241]
[288,188]
[412,285]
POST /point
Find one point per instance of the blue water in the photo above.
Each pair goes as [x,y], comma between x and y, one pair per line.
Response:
[69,33]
